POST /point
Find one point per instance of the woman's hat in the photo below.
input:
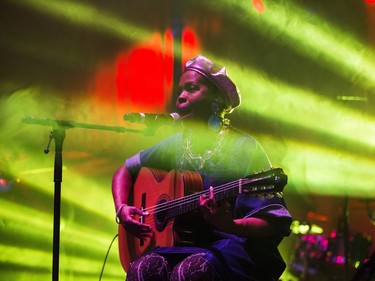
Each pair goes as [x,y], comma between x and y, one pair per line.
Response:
[217,74]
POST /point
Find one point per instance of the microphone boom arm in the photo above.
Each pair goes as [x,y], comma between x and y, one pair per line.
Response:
[67,124]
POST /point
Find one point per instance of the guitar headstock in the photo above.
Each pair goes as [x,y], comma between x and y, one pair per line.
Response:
[266,183]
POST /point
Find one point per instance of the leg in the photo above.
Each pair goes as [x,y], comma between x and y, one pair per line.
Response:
[150,267]
[194,267]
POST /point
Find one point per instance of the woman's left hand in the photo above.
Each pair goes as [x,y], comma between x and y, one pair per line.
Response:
[217,214]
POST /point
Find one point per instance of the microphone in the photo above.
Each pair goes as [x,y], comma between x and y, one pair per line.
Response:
[152,120]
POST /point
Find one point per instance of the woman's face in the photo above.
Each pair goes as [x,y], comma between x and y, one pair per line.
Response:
[196,96]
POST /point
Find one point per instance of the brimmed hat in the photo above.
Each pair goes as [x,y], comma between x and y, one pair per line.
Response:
[217,74]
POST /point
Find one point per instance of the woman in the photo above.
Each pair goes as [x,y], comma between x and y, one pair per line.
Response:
[232,239]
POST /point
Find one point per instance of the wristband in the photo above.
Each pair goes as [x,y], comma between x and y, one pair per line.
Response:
[118,219]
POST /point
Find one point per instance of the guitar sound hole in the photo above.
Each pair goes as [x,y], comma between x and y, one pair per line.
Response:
[161,214]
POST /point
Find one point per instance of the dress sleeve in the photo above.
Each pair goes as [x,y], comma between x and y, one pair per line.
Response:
[252,206]
[162,155]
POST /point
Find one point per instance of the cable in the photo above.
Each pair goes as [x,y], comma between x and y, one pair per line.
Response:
[106,256]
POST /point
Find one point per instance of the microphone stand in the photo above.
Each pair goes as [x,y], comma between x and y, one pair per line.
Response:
[58,134]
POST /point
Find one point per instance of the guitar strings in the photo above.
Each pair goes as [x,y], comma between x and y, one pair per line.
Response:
[193,198]
[220,191]
[186,199]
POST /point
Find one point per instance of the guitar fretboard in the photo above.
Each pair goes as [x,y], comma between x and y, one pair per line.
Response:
[261,183]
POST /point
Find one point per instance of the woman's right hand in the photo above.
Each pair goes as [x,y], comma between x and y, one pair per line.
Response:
[132,224]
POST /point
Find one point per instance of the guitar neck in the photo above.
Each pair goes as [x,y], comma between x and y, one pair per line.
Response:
[267,182]
[190,202]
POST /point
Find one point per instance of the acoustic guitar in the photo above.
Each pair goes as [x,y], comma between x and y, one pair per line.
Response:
[166,195]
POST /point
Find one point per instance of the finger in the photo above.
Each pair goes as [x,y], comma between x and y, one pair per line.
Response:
[136,211]
[149,234]
[202,199]
[138,231]
[137,225]
[142,226]
[212,194]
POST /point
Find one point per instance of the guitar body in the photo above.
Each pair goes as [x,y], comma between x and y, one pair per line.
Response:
[154,188]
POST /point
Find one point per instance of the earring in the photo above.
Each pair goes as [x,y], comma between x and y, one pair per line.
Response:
[214,123]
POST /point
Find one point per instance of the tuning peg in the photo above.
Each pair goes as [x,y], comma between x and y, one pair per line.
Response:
[260,196]
[270,195]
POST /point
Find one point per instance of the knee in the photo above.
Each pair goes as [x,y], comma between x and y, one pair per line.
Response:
[194,267]
[148,267]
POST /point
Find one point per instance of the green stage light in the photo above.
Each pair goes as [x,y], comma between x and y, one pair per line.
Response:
[37,224]
[28,237]
[37,264]
[319,170]
[332,46]
[308,34]
[75,186]
[86,15]
[23,256]
[275,100]
[26,215]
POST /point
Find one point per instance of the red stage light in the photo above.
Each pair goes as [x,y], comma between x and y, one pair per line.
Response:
[140,79]
[259,6]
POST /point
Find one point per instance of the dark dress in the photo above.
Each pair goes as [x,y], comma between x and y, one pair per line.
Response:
[235,156]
